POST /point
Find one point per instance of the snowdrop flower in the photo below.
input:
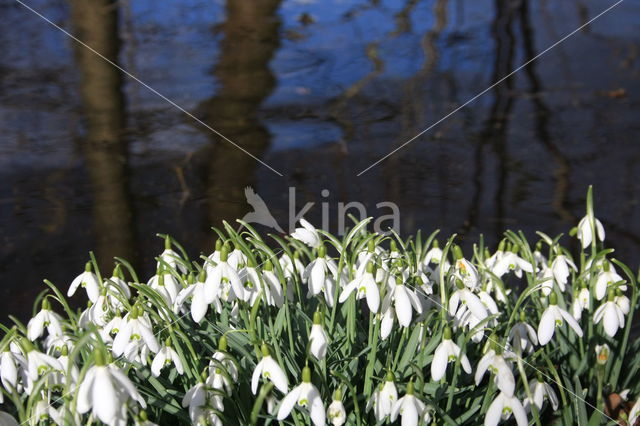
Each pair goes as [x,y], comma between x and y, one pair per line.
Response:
[510,261]
[502,407]
[36,364]
[320,276]
[522,336]
[307,234]
[541,391]
[201,403]
[223,277]
[165,356]
[580,303]
[545,277]
[9,370]
[268,368]
[606,279]
[201,294]
[560,269]
[383,398]
[584,231]
[365,286]
[305,395]
[404,302]
[610,314]
[464,270]
[336,412]
[408,407]
[105,390]
[318,337]
[89,281]
[622,301]
[291,266]
[220,358]
[166,285]
[117,288]
[171,258]
[46,318]
[469,300]
[272,288]
[495,362]
[135,327]
[553,317]
[44,413]
[446,352]
[434,255]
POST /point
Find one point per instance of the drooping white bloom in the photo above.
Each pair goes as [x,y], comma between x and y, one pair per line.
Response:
[105,390]
[223,280]
[272,288]
[35,365]
[383,398]
[320,276]
[202,402]
[510,261]
[522,336]
[307,234]
[469,300]
[500,368]
[167,286]
[201,294]
[466,272]
[404,301]
[606,279]
[546,279]
[622,301]
[89,281]
[268,368]
[434,255]
[335,412]
[165,356]
[9,370]
[560,268]
[611,316]
[135,328]
[46,318]
[318,338]
[584,231]
[502,407]
[305,395]
[580,303]
[171,258]
[408,407]
[365,287]
[541,391]
[446,352]
[553,317]
[117,288]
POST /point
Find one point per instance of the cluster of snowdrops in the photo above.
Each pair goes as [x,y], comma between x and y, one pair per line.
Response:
[315,329]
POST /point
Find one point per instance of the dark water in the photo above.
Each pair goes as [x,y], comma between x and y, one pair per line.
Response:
[319,90]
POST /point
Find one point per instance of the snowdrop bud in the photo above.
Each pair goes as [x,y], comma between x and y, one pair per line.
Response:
[602,354]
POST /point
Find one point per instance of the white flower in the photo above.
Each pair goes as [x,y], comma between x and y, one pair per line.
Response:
[502,407]
[611,316]
[105,390]
[171,258]
[434,255]
[553,317]
[318,338]
[320,276]
[223,280]
[468,299]
[272,288]
[165,356]
[365,286]
[560,269]
[606,279]
[307,234]
[522,336]
[465,271]
[89,281]
[409,407]
[135,327]
[201,294]
[167,286]
[383,398]
[584,231]
[446,352]
[510,261]
[305,395]
[404,302]
[268,368]
[540,391]
[45,318]
[622,301]
[580,303]
[498,366]
[9,370]
[336,413]
[201,403]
